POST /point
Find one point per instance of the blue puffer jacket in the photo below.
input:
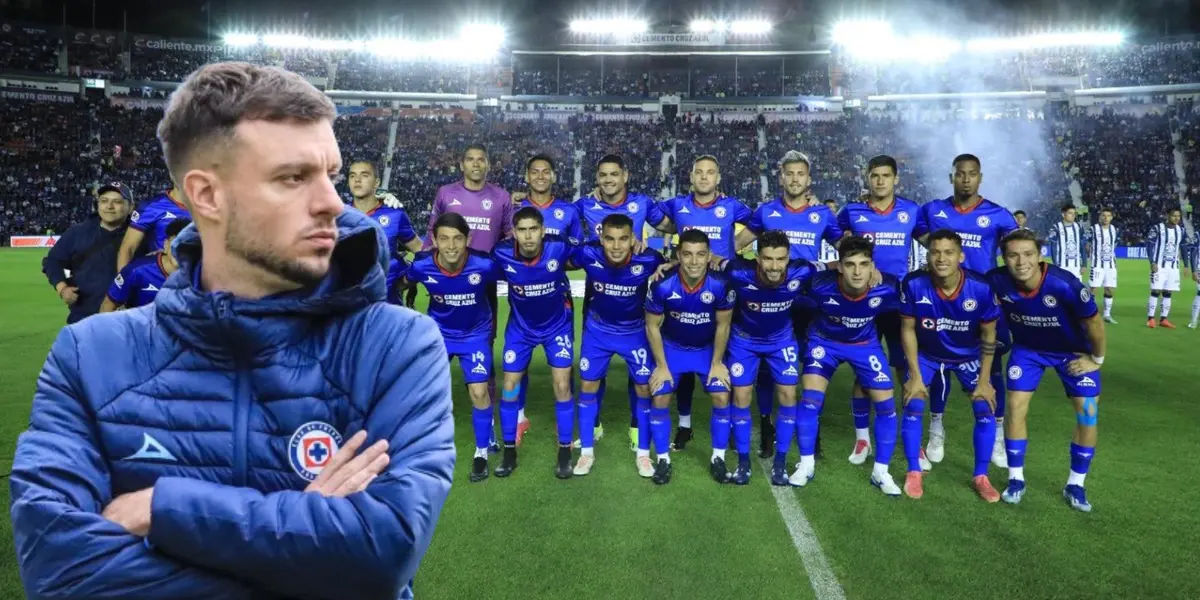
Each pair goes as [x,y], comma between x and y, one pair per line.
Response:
[227,407]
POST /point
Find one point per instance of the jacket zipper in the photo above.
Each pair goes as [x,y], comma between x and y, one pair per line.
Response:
[241,408]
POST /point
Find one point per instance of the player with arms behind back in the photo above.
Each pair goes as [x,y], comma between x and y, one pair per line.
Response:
[1164,247]
[1102,253]
[1054,324]
[949,327]
[1067,239]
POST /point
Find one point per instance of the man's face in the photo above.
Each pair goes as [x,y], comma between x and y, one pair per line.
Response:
[451,244]
[277,198]
[1021,219]
[773,264]
[618,243]
[475,165]
[856,271]
[1105,218]
[881,182]
[1023,260]
[363,181]
[944,257]
[966,179]
[611,179]
[693,259]
[540,177]
[705,177]
[112,208]
[795,179]
[529,235]
[1174,218]
[1069,215]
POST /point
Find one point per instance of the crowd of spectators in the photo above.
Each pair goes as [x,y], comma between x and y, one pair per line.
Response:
[23,51]
[1187,123]
[735,145]
[639,141]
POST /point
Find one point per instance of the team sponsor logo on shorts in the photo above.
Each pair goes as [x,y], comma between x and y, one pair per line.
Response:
[633,207]
[970,305]
[643,371]
[902,217]
[720,212]
[636,269]
[552,265]
[486,204]
[875,302]
[791,370]
[1086,382]
[1014,372]
[793,285]
[814,218]
[882,377]
[817,352]
[983,221]
[474,278]
[1085,295]
[1050,301]
[510,356]
[311,448]
[707,297]
[584,364]
[559,214]
[737,369]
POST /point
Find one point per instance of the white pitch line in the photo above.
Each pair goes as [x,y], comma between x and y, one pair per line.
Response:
[825,584]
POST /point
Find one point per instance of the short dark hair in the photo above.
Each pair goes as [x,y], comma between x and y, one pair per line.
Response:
[1020,235]
[206,108]
[703,157]
[475,146]
[855,244]
[537,157]
[945,234]
[1020,212]
[528,212]
[1174,209]
[175,226]
[773,238]
[454,221]
[617,221]
[882,160]
[1108,209]
[1068,206]
[966,158]
[612,159]
[370,163]
[832,201]
[694,236]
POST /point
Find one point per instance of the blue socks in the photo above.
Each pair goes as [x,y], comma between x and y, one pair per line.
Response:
[885,431]
[684,389]
[910,430]
[765,389]
[785,429]
[481,423]
[660,429]
[808,421]
[984,436]
[510,408]
[720,427]
[564,415]
[741,432]
[861,409]
[1016,456]
[643,417]
[1081,458]
[588,409]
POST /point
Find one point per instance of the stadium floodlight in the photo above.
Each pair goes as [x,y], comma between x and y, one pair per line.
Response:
[855,33]
[333,45]
[481,32]
[1046,40]
[240,39]
[609,26]
[285,40]
[750,27]
[706,26]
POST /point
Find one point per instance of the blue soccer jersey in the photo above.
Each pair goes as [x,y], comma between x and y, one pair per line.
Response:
[948,325]
[153,217]
[540,312]
[806,228]
[615,318]
[850,319]
[716,219]
[457,301]
[690,314]
[592,211]
[396,226]
[764,311]
[1049,318]
[981,227]
[890,229]
[559,218]
[139,282]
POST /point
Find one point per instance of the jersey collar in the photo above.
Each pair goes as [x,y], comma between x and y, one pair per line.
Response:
[886,211]
[161,266]
[1037,288]
[967,210]
[173,199]
[697,204]
[437,263]
[795,211]
[529,262]
[531,202]
[962,280]
[699,284]
[848,296]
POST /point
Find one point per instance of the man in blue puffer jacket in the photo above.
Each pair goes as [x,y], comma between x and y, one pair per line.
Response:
[208,445]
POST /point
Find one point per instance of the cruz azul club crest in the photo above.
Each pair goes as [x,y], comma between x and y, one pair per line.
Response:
[312,447]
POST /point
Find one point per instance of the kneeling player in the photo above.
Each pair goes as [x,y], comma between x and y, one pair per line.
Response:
[457,280]
[694,309]
[949,326]
[533,264]
[845,332]
[140,281]
[1055,324]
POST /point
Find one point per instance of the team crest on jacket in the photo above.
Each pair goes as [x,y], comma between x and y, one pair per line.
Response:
[706,297]
[474,278]
[486,204]
[970,305]
[552,265]
[902,217]
[814,218]
[312,447]
[983,221]
[633,207]
[720,212]
[1050,301]
[384,220]
[559,214]
[875,302]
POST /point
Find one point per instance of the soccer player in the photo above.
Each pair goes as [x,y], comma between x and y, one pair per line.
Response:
[1163,246]
[1021,219]
[457,279]
[810,227]
[1055,324]
[151,217]
[141,280]
[1066,242]
[1195,267]
[981,224]
[614,323]
[561,218]
[767,288]
[717,216]
[363,181]
[888,221]
[694,309]
[829,253]
[533,263]
[845,332]
[949,327]
[1102,253]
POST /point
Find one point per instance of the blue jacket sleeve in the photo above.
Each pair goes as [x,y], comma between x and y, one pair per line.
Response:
[367,545]
[58,260]
[59,486]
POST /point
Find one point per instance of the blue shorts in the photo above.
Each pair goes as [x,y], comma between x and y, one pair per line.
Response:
[474,356]
[1025,369]
[744,355]
[598,348]
[556,343]
[682,360]
[867,360]
[967,372]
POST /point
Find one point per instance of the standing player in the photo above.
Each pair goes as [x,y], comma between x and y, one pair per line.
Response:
[1054,324]
[457,279]
[844,332]
[363,182]
[1066,242]
[614,323]
[140,281]
[717,216]
[1102,253]
[981,224]
[1021,218]
[533,264]
[151,217]
[694,309]
[767,288]
[888,221]
[1164,247]
[829,253]
[810,227]
[1194,265]
[949,327]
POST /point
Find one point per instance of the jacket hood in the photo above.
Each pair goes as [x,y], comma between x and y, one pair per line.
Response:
[220,324]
